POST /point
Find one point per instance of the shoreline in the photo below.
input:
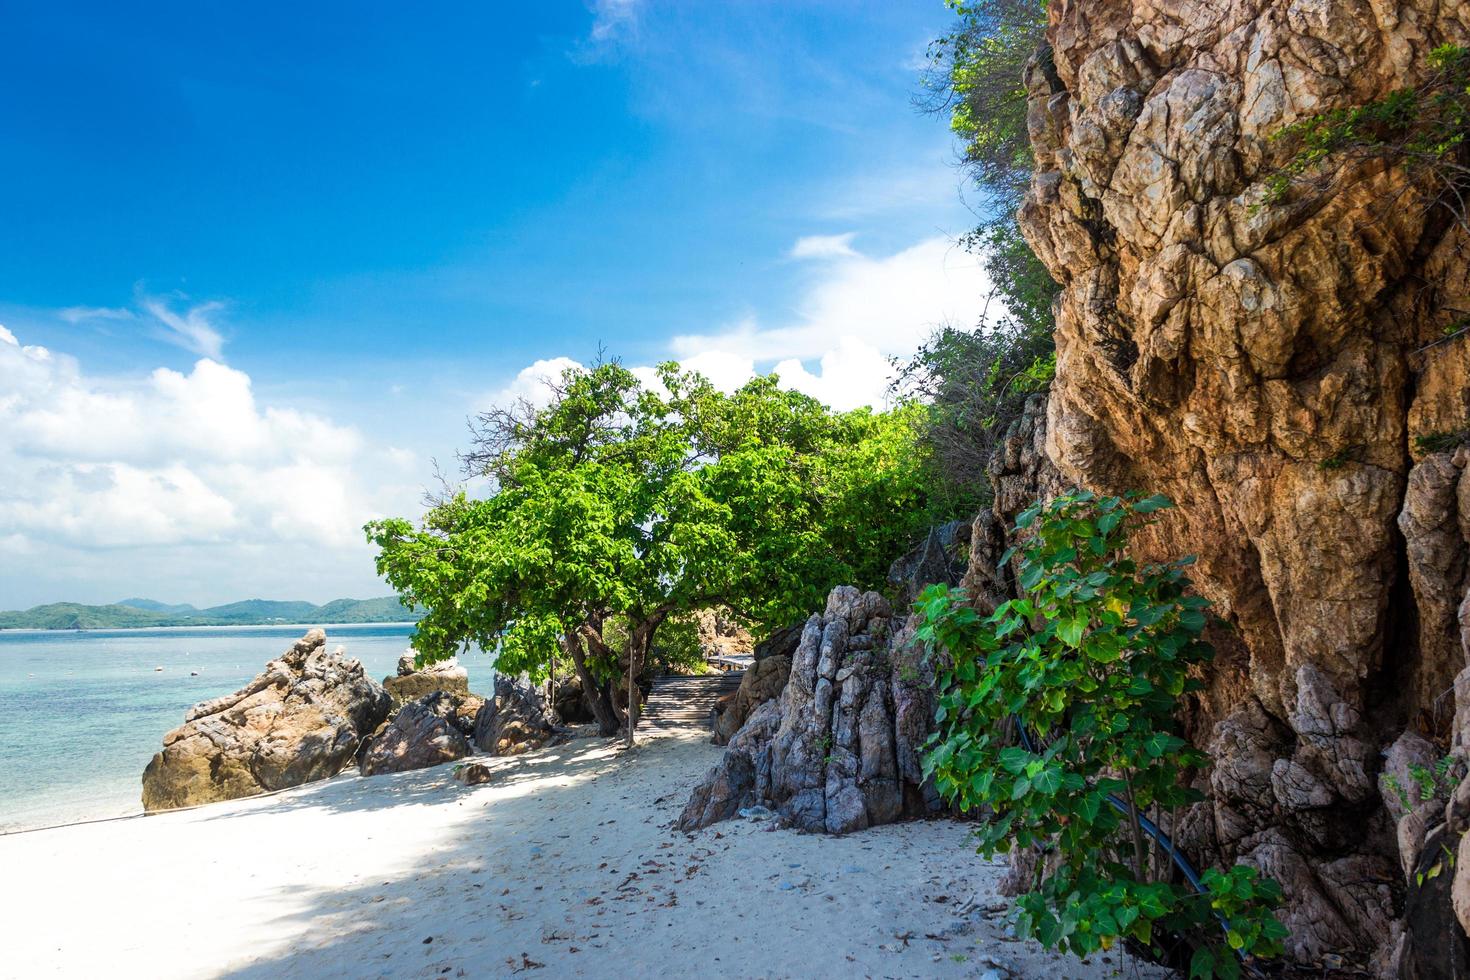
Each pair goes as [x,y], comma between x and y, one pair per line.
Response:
[565,861]
[42,631]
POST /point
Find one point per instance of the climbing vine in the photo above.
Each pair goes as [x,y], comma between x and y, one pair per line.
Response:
[1057,717]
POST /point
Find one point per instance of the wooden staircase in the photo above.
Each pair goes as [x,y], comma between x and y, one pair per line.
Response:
[680,703]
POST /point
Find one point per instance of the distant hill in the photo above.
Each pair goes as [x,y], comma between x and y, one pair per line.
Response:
[153,605]
[143,613]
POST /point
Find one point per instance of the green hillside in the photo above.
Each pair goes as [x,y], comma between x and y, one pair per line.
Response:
[143,613]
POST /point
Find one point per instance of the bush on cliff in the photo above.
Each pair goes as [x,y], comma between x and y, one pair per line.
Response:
[1058,716]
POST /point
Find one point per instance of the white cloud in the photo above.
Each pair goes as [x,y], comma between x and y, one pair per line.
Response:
[532,384]
[192,329]
[80,314]
[612,18]
[173,472]
[823,247]
[854,313]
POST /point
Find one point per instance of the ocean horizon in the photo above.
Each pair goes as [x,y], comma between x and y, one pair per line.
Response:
[82,711]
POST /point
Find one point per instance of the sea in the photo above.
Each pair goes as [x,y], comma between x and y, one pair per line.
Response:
[81,713]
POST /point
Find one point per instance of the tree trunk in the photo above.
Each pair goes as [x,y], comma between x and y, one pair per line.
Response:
[594,693]
[640,638]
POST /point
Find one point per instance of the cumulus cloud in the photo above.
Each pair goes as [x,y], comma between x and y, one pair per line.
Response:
[190,462]
[532,383]
[854,313]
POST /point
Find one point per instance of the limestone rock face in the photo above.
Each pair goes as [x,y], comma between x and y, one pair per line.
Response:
[763,680]
[410,683]
[837,751]
[423,733]
[1279,369]
[512,722]
[299,720]
[721,635]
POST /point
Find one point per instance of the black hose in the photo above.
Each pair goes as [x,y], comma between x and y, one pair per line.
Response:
[1157,833]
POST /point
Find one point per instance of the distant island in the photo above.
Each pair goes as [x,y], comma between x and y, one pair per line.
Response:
[145,613]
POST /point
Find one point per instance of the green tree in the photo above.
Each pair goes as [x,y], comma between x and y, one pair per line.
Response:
[1058,715]
[618,506]
[977,376]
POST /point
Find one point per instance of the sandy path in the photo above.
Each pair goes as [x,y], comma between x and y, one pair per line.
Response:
[563,866]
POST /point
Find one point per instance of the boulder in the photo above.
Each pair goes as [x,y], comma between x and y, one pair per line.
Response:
[423,733]
[514,721]
[763,680]
[568,703]
[411,683]
[473,773]
[740,778]
[301,719]
[837,750]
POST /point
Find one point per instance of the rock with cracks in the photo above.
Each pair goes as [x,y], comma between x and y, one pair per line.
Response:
[838,750]
[424,733]
[514,721]
[301,719]
[1279,366]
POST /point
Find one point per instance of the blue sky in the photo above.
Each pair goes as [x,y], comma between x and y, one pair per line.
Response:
[346,226]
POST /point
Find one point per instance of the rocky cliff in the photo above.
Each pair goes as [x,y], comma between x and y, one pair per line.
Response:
[1280,368]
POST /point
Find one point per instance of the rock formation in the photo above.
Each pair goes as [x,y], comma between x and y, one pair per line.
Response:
[569,705]
[1280,368]
[432,730]
[512,722]
[411,683]
[763,680]
[299,720]
[839,749]
[721,635]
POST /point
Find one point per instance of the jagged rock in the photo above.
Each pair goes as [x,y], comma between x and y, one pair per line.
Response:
[940,558]
[721,635]
[410,683]
[423,733]
[1436,947]
[738,780]
[514,721]
[763,680]
[300,719]
[781,643]
[837,750]
[1278,368]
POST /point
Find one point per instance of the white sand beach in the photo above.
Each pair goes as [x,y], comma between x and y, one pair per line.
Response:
[563,866]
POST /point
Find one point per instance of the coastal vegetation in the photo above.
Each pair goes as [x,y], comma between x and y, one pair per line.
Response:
[621,505]
[146,614]
[977,377]
[1058,720]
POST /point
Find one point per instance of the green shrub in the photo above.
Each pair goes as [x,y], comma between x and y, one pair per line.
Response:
[1091,661]
[1425,129]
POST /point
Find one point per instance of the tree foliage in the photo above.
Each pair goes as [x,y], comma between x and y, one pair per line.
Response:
[1058,715]
[978,376]
[618,506]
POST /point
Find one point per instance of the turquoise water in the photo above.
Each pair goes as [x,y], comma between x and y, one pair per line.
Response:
[82,713]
